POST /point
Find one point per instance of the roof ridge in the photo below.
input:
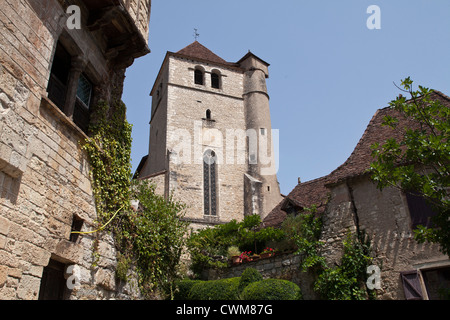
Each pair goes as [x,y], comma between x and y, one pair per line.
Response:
[197,50]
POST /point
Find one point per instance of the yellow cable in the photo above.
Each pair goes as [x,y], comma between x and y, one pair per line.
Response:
[102,227]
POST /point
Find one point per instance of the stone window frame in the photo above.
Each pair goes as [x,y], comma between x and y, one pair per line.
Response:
[210,198]
[73,107]
[418,276]
[208,114]
[216,83]
[199,75]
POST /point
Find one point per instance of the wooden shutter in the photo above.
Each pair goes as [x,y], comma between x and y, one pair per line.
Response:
[411,285]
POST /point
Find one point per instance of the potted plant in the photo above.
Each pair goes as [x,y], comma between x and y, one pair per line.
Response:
[255,257]
[268,252]
[234,254]
[246,256]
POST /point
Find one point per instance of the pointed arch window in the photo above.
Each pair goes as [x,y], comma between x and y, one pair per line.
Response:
[209,183]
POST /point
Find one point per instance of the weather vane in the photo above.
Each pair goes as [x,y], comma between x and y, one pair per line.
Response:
[196,34]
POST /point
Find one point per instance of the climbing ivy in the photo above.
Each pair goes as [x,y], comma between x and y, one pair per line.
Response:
[151,238]
[344,281]
[109,150]
[305,231]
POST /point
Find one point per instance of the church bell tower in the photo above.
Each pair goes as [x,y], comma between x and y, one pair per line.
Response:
[211,141]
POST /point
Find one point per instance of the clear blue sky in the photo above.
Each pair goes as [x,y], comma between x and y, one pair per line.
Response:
[329,73]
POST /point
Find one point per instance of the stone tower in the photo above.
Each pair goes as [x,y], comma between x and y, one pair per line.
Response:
[210,136]
[261,184]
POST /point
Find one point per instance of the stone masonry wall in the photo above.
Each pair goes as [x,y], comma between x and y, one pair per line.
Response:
[186,112]
[357,205]
[44,175]
[383,215]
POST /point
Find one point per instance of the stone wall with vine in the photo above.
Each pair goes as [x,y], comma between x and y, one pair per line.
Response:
[306,265]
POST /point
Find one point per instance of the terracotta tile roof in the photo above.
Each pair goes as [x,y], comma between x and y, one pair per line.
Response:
[359,161]
[304,195]
[197,50]
[357,164]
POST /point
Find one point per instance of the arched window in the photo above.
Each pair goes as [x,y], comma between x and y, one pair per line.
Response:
[209,183]
[208,114]
[198,76]
[215,80]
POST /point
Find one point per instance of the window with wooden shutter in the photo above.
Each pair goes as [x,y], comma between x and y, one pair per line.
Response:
[411,285]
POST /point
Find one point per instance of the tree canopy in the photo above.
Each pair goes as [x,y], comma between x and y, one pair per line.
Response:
[419,162]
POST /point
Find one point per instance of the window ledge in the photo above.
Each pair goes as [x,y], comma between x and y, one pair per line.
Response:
[50,106]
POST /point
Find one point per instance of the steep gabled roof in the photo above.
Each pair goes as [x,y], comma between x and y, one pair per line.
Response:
[304,195]
[360,159]
[315,192]
[197,50]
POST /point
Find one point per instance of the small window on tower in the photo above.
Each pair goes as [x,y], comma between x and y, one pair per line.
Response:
[215,80]
[198,76]
[263,131]
[208,114]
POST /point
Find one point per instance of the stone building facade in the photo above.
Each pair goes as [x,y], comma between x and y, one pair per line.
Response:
[58,58]
[349,201]
[210,136]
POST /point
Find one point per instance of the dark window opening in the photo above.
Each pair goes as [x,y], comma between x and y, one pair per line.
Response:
[77,225]
[69,89]
[53,283]
[268,188]
[419,210]
[198,77]
[209,183]
[81,113]
[215,80]
[437,283]
[59,74]
[208,114]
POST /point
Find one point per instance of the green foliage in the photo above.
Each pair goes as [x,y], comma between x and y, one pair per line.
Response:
[419,161]
[236,288]
[155,235]
[233,251]
[305,231]
[183,288]
[223,289]
[249,275]
[272,289]
[346,281]
[152,238]
[207,244]
[108,150]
